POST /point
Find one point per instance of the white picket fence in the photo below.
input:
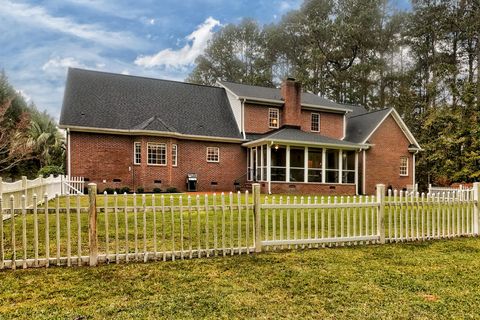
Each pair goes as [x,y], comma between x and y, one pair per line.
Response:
[461,188]
[81,230]
[51,186]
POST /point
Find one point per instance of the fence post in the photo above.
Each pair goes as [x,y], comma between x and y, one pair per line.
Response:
[92,223]
[258,218]
[1,187]
[476,206]
[381,212]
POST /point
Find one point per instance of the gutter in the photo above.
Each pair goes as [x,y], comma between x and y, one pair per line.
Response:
[150,133]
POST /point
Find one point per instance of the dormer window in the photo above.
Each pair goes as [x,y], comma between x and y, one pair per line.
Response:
[315,122]
[273,118]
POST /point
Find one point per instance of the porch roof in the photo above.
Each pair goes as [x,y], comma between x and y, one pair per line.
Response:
[289,135]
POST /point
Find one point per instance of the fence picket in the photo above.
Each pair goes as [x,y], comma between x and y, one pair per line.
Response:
[24,230]
[2,245]
[12,221]
[47,231]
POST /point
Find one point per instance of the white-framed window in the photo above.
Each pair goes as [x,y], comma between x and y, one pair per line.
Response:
[404,166]
[137,153]
[213,154]
[315,122]
[157,154]
[273,117]
[174,155]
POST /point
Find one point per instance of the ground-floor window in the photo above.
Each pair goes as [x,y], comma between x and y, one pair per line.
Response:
[332,166]
[213,154]
[156,153]
[404,166]
[348,167]
[297,164]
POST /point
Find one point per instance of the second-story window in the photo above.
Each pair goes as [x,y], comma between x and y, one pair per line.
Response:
[273,118]
[315,122]
[213,154]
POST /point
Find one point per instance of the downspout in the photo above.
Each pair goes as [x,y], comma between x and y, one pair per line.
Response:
[364,165]
[243,119]
[69,159]
[413,171]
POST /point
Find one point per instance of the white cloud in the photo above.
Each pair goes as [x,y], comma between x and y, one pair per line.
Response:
[39,17]
[196,44]
[60,64]
[152,21]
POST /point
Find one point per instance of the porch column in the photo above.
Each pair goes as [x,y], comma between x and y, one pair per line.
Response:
[340,165]
[324,163]
[269,167]
[305,166]
[413,172]
[261,163]
[252,178]
[287,178]
[356,172]
[364,163]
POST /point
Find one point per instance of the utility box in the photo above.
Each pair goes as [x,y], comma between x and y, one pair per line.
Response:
[191,182]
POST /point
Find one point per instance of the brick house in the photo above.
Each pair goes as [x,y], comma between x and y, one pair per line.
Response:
[150,133]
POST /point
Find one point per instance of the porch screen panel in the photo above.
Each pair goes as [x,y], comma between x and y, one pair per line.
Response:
[264,164]
[279,163]
[314,165]
[297,164]
[348,167]
[332,166]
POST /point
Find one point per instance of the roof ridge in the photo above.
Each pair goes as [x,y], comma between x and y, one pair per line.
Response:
[144,77]
[370,112]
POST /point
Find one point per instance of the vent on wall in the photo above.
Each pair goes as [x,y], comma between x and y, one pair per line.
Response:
[86,179]
[157,181]
[214,183]
[117,180]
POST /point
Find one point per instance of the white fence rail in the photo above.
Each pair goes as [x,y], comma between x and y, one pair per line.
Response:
[80,230]
[51,186]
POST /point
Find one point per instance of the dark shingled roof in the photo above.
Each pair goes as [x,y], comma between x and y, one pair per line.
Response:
[114,101]
[361,126]
[294,134]
[248,91]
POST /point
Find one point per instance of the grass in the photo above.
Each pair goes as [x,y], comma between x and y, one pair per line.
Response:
[431,280]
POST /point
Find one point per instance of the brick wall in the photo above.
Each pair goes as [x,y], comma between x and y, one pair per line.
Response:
[256,121]
[383,158]
[100,157]
[331,124]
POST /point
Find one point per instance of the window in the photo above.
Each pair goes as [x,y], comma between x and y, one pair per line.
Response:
[213,154]
[137,153]
[157,154]
[174,155]
[332,169]
[273,118]
[403,166]
[315,123]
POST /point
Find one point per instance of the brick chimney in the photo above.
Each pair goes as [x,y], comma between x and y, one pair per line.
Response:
[291,93]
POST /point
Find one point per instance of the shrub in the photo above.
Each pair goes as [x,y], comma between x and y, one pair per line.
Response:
[125,190]
[157,190]
[109,190]
[48,170]
[117,190]
[172,190]
[140,190]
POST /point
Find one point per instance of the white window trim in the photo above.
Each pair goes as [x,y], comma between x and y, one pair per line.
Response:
[166,155]
[311,120]
[406,174]
[218,151]
[135,153]
[175,147]
[278,117]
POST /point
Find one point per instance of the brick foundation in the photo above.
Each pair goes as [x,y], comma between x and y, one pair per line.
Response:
[308,188]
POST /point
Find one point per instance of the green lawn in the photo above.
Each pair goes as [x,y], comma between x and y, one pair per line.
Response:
[431,280]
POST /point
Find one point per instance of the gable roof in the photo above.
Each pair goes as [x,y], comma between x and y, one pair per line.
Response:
[292,134]
[103,100]
[362,126]
[273,95]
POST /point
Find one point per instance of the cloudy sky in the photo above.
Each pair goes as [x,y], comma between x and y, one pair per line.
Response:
[40,39]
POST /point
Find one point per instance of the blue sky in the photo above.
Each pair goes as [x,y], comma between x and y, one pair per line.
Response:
[40,39]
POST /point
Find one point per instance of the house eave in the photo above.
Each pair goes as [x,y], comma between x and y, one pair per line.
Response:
[303,143]
[134,132]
